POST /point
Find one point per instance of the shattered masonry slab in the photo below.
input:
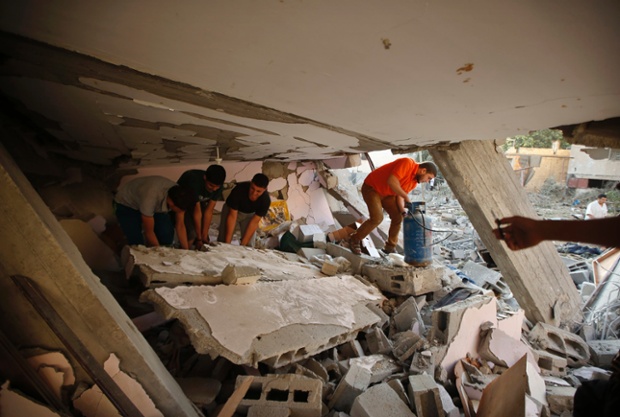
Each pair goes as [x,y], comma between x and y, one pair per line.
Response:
[300,394]
[405,280]
[276,322]
[162,266]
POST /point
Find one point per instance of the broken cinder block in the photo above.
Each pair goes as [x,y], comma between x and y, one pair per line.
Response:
[425,397]
[300,394]
[405,280]
[558,341]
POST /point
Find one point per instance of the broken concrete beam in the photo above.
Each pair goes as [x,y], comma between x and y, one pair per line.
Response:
[405,280]
[558,341]
[380,401]
[424,396]
[603,351]
[300,394]
[240,275]
[355,382]
[334,312]
[560,399]
[551,364]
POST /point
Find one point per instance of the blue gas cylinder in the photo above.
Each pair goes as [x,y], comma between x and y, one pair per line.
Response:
[418,236]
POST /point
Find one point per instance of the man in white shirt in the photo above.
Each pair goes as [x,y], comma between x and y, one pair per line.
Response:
[597,209]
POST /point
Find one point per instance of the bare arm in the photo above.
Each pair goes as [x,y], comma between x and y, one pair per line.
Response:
[179,226]
[249,231]
[394,184]
[207,217]
[197,217]
[148,226]
[231,220]
[522,232]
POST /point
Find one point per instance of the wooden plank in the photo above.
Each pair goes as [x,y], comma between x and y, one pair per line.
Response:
[233,401]
[483,181]
[77,349]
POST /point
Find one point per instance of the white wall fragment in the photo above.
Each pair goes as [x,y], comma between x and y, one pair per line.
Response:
[93,403]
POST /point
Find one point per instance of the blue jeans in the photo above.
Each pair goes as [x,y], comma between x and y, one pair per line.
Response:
[130,221]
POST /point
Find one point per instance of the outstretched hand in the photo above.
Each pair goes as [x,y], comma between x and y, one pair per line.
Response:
[518,232]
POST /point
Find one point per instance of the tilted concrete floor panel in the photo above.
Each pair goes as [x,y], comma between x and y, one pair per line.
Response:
[161,266]
[276,322]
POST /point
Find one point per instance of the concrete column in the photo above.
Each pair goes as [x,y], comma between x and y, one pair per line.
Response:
[483,181]
[34,244]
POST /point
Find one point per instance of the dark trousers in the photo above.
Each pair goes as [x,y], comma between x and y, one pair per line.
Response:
[130,221]
[597,398]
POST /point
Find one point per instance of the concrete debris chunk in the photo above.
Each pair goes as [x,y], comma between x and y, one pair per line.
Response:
[480,274]
[551,364]
[380,366]
[560,399]
[425,397]
[355,382]
[405,344]
[407,317]
[240,275]
[603,351]
[377,341]
[407,280]
[380,401]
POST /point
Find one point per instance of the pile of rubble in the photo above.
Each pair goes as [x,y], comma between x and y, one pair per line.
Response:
[326,333]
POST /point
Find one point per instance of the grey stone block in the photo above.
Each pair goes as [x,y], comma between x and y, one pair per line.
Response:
[380,401]
[603,351]
[425,396]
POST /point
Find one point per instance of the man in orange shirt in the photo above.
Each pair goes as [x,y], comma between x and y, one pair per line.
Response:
[388,188]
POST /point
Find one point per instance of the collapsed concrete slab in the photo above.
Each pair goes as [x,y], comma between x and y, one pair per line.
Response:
[276,322]
[161,266]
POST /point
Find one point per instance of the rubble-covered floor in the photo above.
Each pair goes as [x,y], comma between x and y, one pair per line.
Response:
[432,352]
[409,341]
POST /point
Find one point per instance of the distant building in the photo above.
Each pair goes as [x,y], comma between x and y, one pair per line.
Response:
[534,166]
[593,167]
